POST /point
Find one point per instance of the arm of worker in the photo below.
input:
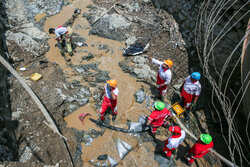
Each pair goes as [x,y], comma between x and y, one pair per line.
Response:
[114,97]
[148,122]
[155,61]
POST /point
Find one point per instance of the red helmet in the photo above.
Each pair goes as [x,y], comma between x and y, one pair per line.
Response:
[175,129]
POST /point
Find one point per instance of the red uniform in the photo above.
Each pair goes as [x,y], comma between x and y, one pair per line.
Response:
[199,150]
[162,89]
[108,102]
[173,142]
[164,77]
[157,118]
[189,91]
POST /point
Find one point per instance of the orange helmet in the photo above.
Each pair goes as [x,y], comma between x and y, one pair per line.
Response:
[169,63]
[112,82]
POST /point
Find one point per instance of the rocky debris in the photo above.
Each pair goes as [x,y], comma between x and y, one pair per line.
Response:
[163,161]
[140,96]
[98,75]
[104,161]
[123,148]
[138,68]
[79,39]
[112,26]
[105,47]
[89,57]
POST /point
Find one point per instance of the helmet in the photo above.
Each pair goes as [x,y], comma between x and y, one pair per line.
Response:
[159,106]
[196,75]
[175,129]
[206,138]
[112,82]
[51,30]
[169,63]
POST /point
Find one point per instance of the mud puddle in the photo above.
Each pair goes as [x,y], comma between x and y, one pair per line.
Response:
[128,109]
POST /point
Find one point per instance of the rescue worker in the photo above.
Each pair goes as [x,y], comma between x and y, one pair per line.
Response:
[200,148]
[190,91]
[64,33]
[164,75]
[110,99]
[174,140]
[158,117]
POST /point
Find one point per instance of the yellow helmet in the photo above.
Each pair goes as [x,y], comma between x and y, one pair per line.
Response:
[112,82]
[169,63]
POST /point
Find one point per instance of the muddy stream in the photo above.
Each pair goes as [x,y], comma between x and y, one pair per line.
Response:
[128,109]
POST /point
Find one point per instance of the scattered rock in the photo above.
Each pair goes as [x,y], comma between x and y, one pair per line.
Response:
[140,96]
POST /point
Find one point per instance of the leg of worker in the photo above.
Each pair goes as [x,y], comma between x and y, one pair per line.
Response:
[103,110]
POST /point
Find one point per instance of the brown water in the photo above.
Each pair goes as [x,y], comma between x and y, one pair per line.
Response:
[127,107]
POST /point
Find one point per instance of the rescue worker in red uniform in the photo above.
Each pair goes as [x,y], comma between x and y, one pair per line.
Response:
[164,75]
[158,117]
[64,34]
[190,91]
[110,99]
[201,148]
[174,140]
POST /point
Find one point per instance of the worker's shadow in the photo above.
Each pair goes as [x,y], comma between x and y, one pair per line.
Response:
[159,146]
[154,92]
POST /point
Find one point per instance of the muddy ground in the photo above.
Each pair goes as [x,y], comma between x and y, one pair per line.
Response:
[61,90]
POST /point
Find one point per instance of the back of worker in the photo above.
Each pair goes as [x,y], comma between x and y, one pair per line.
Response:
[157,117]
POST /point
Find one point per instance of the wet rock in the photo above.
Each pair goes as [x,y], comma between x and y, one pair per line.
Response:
[123,148]
[73,107]
[69,99]
[102,157]
[94,133]
[79,39]
[125,66]
[163,161]
[82,102]
[85,91]
[79,135]
[140,96]
[102,77]
[89,57]
[111,26]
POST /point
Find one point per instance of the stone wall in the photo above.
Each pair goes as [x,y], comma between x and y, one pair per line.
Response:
[229,28]
[7,144]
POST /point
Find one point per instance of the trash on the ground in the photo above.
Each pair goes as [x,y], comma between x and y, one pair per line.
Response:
[43,61]
[22,69]
[35,76]
[138,47]
[102,157]
[112,161]
[82,116]
[79,44]
[123,148]
[139,125]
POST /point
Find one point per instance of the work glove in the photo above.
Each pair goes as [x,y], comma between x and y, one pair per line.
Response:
[108,87]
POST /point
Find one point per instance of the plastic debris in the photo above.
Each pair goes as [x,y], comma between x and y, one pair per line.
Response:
[112,161]
[138,47]
[22,69]
[36,77]
[82,116]
[79,44]
[123,148]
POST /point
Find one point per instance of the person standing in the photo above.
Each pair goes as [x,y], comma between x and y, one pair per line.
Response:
[164,75]
[174,140]
[110,99]
[200,148]
[158,117]
[190,91]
